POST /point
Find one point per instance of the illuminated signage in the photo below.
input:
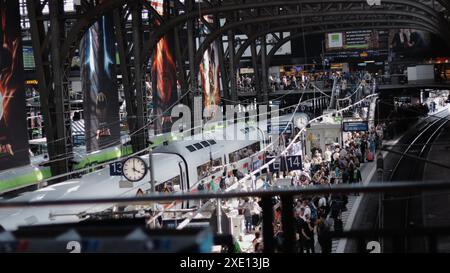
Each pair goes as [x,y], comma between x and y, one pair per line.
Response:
[31,82]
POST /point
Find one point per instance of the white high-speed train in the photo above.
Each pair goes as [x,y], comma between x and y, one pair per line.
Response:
[178,166]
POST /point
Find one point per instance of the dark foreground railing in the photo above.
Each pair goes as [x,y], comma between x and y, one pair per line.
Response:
[287,205]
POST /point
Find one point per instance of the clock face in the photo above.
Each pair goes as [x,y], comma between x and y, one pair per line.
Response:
[134,169]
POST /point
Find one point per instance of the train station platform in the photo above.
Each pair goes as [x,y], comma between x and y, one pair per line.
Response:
[436,211]
[356,205]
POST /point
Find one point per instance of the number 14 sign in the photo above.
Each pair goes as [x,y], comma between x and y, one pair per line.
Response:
[294,162]
[288,163]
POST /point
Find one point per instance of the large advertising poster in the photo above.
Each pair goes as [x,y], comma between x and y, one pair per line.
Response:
[209,74]
[164,75]
[13,122]
[409,42]
[352,40]
[98,76]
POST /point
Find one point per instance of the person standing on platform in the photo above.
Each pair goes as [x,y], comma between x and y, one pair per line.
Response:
[253,181]
[357,178]
[200,189]
[212,184]
[247,211]
[363,148]
[222,183]
[266,183]
[324,228]
[308,233]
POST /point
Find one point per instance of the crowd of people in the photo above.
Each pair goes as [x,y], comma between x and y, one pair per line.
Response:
[320,215]
[294,81]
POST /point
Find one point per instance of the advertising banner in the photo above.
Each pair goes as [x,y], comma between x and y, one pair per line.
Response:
[409,42]
[209,74]
[98,76]
[164,75]
[353,40]
[356,126]
[13,122]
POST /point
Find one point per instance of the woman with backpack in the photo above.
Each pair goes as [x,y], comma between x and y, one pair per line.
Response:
[324,229]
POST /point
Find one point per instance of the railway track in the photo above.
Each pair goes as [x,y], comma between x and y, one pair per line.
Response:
[401,211]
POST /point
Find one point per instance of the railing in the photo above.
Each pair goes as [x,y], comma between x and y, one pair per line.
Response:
[287,204]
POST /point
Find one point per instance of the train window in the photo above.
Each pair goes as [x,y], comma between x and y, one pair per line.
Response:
[198,146]
[217,162]
[202,171]
[169,186]
[244,152]
[205,143]
[191,148]
[208,168]
[212,142]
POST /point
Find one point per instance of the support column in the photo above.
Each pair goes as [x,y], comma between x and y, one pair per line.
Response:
[256,72]
[180,66]
[264,70]
[223,71]
[232,66]
[140,142]
[267,207]
[193,86]
[287,222]
[124,65]
[59,103]
[42,70]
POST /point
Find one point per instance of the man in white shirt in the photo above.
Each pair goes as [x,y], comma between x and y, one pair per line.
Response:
[322,202]
[328,155]
[253,178]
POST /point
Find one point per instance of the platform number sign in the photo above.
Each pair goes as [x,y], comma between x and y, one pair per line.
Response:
[275,166]
[287,163]
[115,168]
[293,162]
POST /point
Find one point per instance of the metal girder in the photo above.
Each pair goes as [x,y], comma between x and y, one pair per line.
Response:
[247,16]
[222,8]
[180,60]
[363,24]
[329,26]
[138,89]
[88,18]
[120,17]
[232,66]
[59,100]
[264,70]
[54,95]
[284,28]
[279,44]
[43,71]
[256,71]
[409,9]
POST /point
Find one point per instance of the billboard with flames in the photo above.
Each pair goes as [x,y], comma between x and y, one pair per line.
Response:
[209,73]
[164,75]
[13,124]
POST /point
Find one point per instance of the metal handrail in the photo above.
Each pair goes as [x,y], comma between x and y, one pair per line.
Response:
[291,191]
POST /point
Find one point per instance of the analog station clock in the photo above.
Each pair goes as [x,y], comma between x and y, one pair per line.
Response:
[134,169]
